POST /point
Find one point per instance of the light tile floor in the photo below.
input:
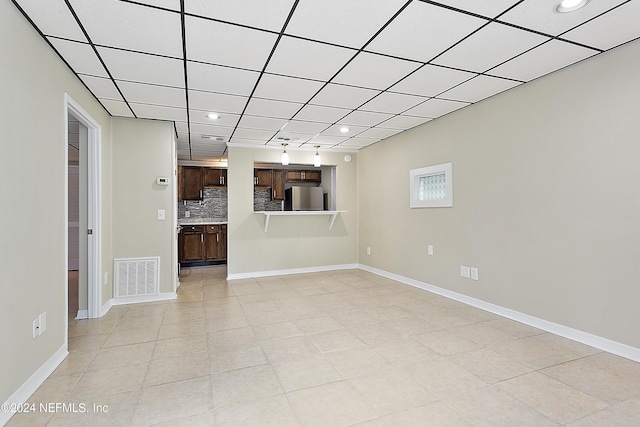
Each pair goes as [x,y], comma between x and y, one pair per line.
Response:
[335,348]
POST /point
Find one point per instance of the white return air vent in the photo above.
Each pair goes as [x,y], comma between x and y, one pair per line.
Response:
[136,276]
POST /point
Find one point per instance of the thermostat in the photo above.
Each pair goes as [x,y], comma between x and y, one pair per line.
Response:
[162,180]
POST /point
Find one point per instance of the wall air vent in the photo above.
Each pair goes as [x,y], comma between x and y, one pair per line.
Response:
[213,138]
[136,276]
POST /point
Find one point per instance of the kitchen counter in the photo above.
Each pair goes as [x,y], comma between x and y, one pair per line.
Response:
[201,221]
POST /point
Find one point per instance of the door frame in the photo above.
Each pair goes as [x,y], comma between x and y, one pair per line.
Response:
[94,197]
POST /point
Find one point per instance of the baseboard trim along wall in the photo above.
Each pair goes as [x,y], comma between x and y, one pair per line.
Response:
[595,341]
[82,314]
[255,274]
[25,391]
[136,300]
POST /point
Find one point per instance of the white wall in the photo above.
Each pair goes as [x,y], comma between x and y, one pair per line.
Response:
[32,187]
[142,151]
[546,205]
[291,242]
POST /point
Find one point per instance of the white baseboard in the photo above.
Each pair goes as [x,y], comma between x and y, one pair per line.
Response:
[595,341]
[82,314]
[106,307]
[253,275]
[144,298]
[22,394]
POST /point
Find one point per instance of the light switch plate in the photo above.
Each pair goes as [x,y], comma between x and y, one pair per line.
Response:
[430,249]
[36,327]
[42,320]
[160,214]
[368,250]
[465,271]
[474,273]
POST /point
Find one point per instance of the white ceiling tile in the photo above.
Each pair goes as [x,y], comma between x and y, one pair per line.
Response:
[203,129]
[598,33]
[116,108]
[238,140]
[317,113]
[432,80]
[181,127]
[478,88]
[364,118]
[347,23]
[286,88]
[270,14]
[379,133]
[167,4]
[540,15]
[433,108]
[226,119]
[542,60]
[292,137]
[271,108]
[488,8]
[159,112]
[129,26]
[403,122]
[353,130]
[214,78]
[224,44]
[216,102]
[152,94]
[263,135]
[80,56]
[326,140]
[143,68]
[393,103]
[333,95]
[53,18]
[407,35]
[489,47]
[301,58]
[101,87]
[375,71]
[309,128]
[358,142]
[200,143]
[263,123]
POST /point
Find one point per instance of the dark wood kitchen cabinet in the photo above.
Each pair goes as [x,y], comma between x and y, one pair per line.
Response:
[277,184]
[191,244]
[262,177]
[311,176]
[202,243]
[215,243]
[214,177]
[190,182]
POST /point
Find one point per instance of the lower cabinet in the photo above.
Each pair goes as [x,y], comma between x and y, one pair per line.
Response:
[202,243]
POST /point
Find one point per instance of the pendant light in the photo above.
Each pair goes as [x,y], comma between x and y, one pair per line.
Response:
[316,158]
[285,155]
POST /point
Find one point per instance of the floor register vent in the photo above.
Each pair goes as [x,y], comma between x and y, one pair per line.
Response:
[136,276]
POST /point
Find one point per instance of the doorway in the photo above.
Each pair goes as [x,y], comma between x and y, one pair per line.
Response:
[83,211]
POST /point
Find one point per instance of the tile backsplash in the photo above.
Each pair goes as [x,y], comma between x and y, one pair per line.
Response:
[262,201]
[213,205]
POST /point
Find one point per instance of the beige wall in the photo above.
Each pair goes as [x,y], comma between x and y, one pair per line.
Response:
[32,187]
[546,199]
[291,242]
[142,151]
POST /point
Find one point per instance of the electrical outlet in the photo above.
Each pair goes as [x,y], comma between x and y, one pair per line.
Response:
[465,271]
[430,250]
[368,250]
[42,320]
[187,214]
[36,327]
[474,273]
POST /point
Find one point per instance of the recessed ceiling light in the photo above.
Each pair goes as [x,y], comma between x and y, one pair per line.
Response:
[213,116]
[344,129]
[570,5]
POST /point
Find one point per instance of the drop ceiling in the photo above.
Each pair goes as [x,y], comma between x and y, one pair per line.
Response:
[297,71]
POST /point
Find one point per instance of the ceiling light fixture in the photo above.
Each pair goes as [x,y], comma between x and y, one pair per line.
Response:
[570,5]
[285,155]
[316,159]
[344,129]
[213,116]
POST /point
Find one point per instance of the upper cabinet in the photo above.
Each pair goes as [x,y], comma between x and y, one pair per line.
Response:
[214,177]
[262,177]
[193,179]
[314,176]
